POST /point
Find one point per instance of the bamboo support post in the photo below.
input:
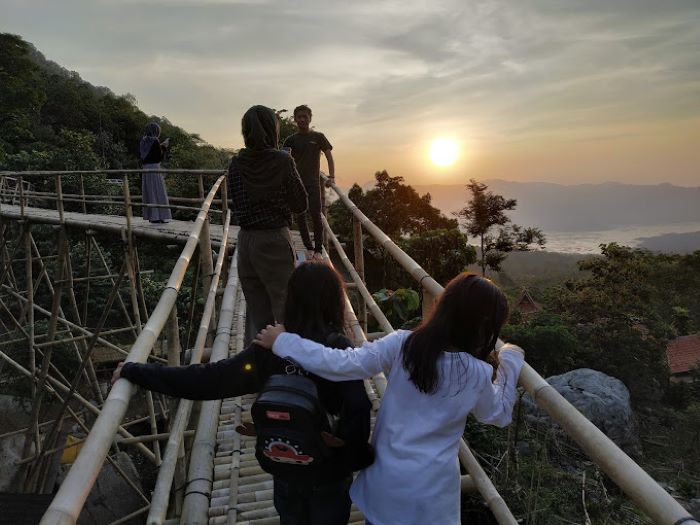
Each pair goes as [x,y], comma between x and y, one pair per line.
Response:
[59,198]
[70,498]
[82,193]
[358,245]
[172,336]
[207,267]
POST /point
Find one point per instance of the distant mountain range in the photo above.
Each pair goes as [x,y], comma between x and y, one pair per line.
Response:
[582,207]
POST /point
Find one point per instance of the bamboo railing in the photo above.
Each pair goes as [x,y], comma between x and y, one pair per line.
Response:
[73,492]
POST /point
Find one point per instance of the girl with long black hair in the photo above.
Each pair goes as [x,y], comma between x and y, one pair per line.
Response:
[314,309]
[436,376]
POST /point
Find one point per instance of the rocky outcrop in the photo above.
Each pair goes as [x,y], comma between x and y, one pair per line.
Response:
[111,497]
[603,399]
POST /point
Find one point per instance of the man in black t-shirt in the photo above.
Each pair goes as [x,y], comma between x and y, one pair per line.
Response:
[306,146]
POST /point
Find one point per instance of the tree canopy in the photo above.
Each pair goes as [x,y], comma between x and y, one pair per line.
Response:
[51,119]
[486,211]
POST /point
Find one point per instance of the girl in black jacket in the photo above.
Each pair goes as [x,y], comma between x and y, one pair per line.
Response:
[314,309]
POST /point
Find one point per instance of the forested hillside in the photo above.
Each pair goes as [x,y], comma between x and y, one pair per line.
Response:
[51,119]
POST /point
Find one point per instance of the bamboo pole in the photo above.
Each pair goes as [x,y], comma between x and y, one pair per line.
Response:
[172,336]
[59,198]
[161,491]
[151,437]
[69,500]
[358,246]
[124,310]
[207,267]
[366,296]
[199,484]
[234,476]
[88,265]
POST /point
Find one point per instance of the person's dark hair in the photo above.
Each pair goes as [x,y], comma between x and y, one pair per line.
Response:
[315,301]
[260,128]
[467,318]
[303,107]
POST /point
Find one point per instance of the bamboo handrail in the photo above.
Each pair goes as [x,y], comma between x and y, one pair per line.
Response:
[73,492]
[199,483]
[161,491]
[629,476]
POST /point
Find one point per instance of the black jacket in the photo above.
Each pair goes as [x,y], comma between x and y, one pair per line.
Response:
[247,372]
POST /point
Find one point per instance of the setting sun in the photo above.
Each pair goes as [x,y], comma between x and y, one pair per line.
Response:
[443,152]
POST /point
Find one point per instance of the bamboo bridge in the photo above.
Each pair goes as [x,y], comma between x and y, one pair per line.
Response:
[207,472]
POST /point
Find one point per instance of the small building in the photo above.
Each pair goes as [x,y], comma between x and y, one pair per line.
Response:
[526,305]
[683,356]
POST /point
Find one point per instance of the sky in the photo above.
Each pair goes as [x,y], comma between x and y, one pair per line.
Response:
[531,90]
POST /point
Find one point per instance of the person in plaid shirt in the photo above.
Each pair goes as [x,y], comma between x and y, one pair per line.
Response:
[265,191]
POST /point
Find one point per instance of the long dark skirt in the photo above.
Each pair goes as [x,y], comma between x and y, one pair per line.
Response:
[153,190]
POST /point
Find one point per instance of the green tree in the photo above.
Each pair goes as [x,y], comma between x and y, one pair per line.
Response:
[401,213]
[486,211]
[442,253]
[21,93]
[613,313]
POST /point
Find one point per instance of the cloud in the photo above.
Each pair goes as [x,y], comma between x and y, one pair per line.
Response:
[386,72]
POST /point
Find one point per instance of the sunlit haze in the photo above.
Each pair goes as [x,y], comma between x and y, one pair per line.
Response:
[444,152]
[560,91]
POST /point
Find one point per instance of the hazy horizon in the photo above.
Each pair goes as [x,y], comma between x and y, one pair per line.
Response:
[538,91]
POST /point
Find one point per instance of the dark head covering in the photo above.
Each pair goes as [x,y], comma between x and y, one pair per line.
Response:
[262,166]
[150,137]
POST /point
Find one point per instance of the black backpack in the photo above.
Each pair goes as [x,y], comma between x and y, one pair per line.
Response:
[289,419]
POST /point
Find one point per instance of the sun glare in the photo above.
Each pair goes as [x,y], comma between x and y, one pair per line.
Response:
[443,152]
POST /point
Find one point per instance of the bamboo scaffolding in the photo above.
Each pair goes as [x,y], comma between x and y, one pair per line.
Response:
[70,498]
[74,326]
[58,385]
[629,476]
[199,484]
[55,429]
[161,491]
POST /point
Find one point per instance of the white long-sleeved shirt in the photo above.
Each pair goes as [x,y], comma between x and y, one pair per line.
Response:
[415,477]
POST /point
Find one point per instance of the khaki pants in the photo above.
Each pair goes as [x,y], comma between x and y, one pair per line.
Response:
[265,262]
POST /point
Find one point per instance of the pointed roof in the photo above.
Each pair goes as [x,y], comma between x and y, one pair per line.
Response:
[683,353]
[526,304]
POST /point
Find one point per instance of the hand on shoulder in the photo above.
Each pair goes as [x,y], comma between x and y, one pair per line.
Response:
[268,335]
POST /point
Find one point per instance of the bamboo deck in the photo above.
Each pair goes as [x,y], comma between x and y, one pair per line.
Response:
[176,231]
